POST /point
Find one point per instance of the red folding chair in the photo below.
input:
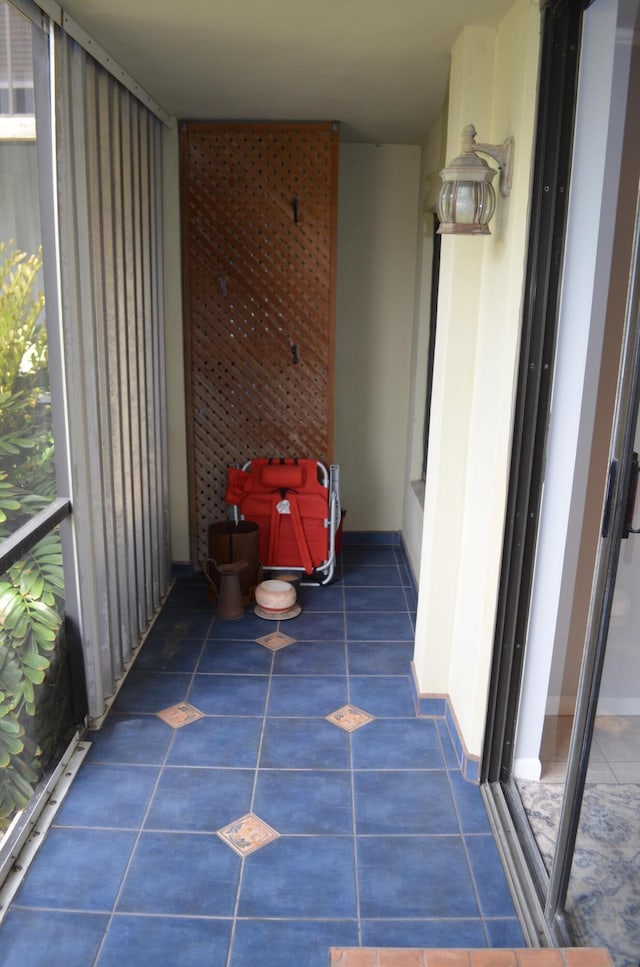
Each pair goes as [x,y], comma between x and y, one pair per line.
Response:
[296,504]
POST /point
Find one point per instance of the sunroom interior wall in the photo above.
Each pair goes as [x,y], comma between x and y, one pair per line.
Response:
[378,211]
[109,171]
[432,160]
[493,85]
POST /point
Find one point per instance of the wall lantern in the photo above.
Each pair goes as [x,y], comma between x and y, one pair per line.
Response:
[467,200]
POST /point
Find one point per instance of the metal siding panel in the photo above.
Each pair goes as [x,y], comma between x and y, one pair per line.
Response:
[129,337]
[158,458]
[157,423]
[158,411]
[99,229]
[161,397]
[111,440]
[150,496]
[141,353]
[111,122]
[121,391]
[77,306]
[110,194]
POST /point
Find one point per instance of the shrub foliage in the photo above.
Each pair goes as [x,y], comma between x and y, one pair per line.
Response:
[32,590]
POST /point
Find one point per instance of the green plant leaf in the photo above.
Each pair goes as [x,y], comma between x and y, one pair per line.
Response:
[41,663]
[10,725]
[29,774]
[45,636]
[53,576]
[12,608]
[47,556]
[7,504]
[45,615]
[28,580]
[27,692]
[13,744]
[20,625]
[34,675]
[32,590]
[33,659]
[18,798]
[23,786]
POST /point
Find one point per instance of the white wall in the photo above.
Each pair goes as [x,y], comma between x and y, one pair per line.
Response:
[378,209]
[493,85]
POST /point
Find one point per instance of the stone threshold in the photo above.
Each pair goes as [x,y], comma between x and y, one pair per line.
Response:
[416,957]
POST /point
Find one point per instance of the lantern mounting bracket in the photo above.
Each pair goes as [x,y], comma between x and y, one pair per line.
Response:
[502,154]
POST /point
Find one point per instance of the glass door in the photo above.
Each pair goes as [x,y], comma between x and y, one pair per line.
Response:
[583,812]
[561,773]
[594,882]
[603,897]
[572,835]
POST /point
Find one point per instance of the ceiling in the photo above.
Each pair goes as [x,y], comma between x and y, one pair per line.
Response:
[379,67]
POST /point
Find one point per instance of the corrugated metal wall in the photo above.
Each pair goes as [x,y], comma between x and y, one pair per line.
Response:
[109,169]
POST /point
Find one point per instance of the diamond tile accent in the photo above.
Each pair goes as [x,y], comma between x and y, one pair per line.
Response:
[276,640]
[181,714]
[350,718]
[613,724]
[247,834]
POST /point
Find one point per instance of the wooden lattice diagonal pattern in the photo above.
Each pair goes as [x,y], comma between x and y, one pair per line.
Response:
[259,224]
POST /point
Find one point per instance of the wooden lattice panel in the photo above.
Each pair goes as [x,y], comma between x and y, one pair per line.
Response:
[259,224]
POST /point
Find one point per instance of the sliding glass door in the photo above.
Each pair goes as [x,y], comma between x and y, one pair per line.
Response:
[603,898]
[594,888]
[561,772]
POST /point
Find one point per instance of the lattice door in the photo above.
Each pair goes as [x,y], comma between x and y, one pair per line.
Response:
[259,225]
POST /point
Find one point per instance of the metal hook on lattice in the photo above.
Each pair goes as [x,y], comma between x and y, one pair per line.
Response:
[294,351]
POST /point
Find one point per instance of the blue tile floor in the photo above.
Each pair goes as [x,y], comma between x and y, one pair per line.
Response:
[357,831]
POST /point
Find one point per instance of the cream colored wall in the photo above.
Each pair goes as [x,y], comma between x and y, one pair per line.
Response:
[378,212]
[378,216]
[432,160]
[492,85]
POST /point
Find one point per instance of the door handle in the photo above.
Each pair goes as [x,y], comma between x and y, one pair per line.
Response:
[631,498]
[611,488]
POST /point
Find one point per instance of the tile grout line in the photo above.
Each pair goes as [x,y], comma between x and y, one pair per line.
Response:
[372,836]
[464,845]
[148,808]
[475,887]
[356,880]
[400,561]
[352,680]
[236,905]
